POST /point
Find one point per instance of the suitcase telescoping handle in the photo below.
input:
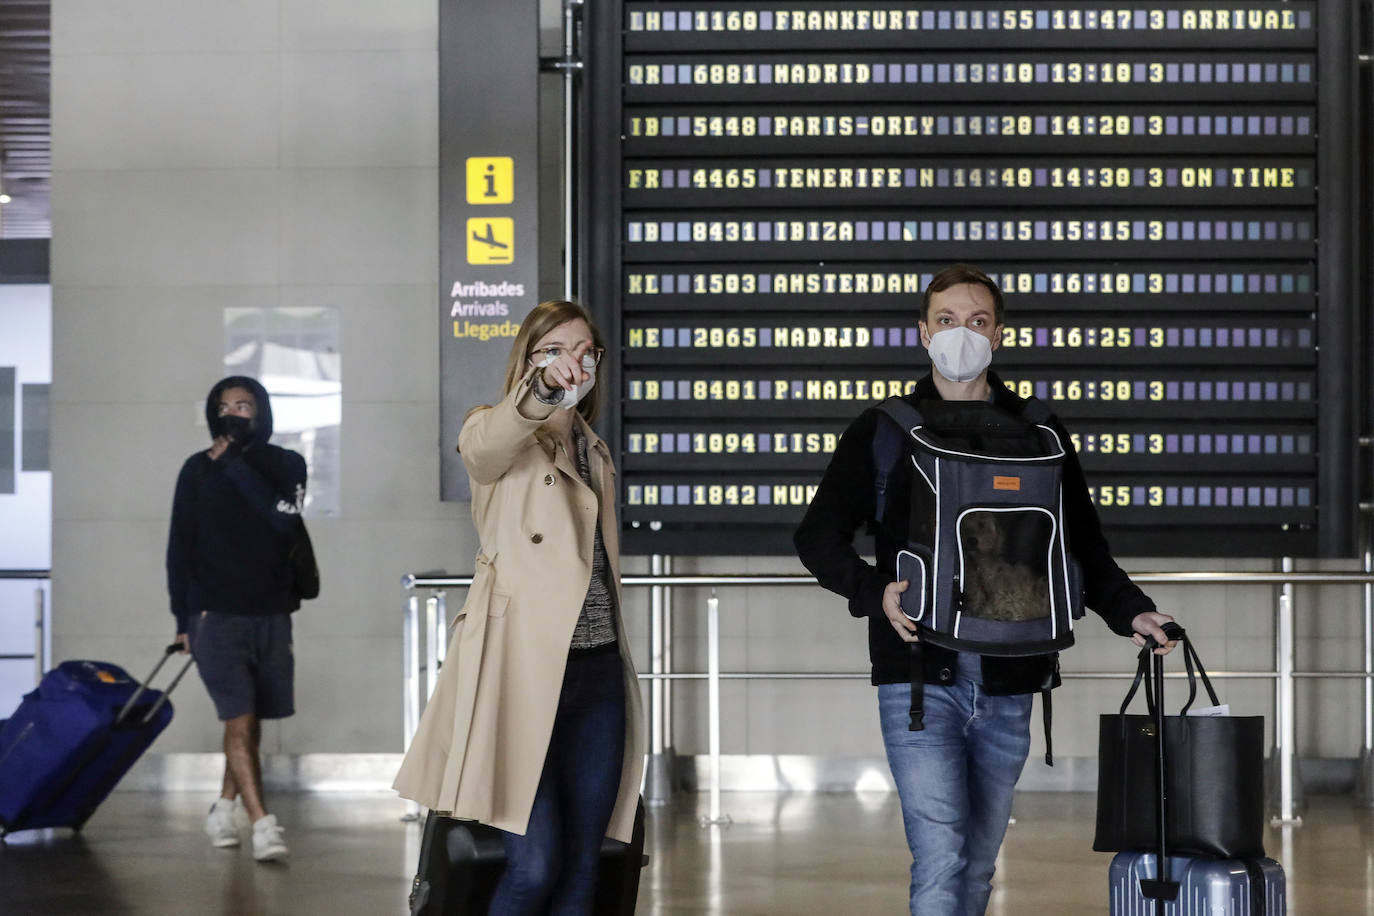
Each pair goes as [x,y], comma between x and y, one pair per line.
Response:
[167,653]
[1161,889]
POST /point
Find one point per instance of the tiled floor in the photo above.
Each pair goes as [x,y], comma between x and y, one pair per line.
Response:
[145,854]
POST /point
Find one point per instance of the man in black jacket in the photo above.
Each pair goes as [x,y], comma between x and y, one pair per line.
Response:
[232,593]
[955,777]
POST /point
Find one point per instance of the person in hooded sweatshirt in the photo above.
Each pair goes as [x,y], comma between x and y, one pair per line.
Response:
[231,591]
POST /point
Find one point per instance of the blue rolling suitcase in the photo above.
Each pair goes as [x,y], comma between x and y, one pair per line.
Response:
[1188,885]
[73,738]
[1217,887]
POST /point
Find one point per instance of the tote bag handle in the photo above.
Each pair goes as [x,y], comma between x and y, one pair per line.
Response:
[1191,660]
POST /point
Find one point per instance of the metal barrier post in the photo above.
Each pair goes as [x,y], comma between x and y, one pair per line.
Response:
[1364,779]
[669,745]
[658,773]
[1285,732]
[571,66]
[47,628]
[40,633]
[431,653]
[41,655]
[410,665]
[713,707]
[440,633]
[1364,775]
[410,679]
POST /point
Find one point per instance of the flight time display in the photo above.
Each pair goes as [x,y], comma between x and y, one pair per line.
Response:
[775,183]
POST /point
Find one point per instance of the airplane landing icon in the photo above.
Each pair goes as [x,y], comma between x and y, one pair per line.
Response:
[490,240]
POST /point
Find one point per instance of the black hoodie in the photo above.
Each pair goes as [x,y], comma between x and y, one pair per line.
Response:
[231,518]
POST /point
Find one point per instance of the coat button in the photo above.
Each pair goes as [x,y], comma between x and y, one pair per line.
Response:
[548,480]
[536,538]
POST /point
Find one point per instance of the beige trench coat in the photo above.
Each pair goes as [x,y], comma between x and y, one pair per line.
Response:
[480,746]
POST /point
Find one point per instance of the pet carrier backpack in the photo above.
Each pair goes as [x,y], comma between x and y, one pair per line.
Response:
[985,549]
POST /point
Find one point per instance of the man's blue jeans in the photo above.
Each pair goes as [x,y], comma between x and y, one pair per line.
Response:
[955,781]
[552,868]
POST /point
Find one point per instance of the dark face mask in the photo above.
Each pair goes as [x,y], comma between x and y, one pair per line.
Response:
[240,429]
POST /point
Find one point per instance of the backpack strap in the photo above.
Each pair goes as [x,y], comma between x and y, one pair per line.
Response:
[1036,410]
[918,688]
[1046,710]
[888,445]
[1048,716]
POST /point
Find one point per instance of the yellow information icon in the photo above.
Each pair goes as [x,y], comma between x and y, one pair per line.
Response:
[491,240]
[490,179]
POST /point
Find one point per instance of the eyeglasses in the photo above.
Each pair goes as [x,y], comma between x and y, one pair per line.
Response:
[543,353]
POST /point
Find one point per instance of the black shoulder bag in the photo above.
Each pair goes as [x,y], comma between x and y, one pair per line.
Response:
[305,573]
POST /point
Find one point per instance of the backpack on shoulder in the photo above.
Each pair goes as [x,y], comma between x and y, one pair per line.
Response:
[985,550]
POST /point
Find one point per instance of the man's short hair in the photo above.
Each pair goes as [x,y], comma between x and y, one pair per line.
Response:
[955,275]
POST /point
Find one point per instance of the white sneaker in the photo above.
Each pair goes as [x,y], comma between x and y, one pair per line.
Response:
[220,825]
[267,839]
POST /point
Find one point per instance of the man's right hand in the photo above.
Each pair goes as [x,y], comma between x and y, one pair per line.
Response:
[218,448]
[892,607]
[184,642]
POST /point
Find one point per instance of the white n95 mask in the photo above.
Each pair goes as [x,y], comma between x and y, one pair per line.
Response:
[960,354]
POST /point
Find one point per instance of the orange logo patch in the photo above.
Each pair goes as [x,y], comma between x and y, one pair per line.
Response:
[1006,483]
[106,677]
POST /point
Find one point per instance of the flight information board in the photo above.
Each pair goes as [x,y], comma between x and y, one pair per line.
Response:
[1162,188]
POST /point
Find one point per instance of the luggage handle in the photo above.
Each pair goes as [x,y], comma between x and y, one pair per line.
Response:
[1161,889]
[167,653]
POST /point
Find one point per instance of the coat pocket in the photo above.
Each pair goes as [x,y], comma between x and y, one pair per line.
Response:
[482,594]
[498,604]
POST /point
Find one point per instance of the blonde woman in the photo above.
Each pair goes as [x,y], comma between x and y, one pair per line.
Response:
[535,724]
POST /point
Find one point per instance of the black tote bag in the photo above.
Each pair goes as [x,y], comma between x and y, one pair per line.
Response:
[1214,775]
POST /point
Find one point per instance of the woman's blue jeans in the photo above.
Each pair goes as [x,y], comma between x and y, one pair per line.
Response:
[955,781]
[552,868]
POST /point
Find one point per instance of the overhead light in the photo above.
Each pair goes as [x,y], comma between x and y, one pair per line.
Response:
[5,198]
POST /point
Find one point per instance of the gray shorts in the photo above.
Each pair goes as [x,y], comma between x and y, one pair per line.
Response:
[246,662]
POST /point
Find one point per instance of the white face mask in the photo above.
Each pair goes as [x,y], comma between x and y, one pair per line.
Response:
[572,395]
[959,354]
